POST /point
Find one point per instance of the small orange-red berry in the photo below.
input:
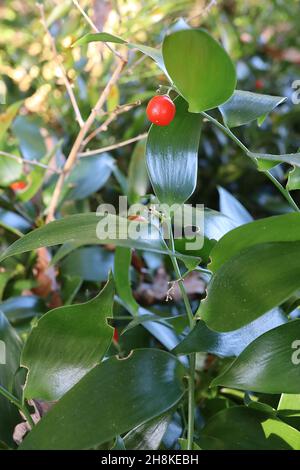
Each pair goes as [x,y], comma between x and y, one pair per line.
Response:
[161,110]
[18,185]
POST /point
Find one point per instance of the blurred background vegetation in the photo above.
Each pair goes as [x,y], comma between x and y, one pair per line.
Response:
[262,38]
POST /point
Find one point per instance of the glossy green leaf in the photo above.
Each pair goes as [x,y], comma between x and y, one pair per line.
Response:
[231,207]
[270,364]
[172,156]
[245,106]
[155,54]
[145,385]
[293,182]
[289,409]
[271,271]
[200,68]
[82,228]
[242,428]
[10,350]
[281,228]
[93,229]
[291,158]
[148,436]
[66,343]
[7,117]
[202,339]
[123,280]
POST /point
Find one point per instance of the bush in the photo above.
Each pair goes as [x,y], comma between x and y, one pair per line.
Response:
[150,276]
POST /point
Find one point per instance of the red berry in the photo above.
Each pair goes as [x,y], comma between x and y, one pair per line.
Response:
[259,84]
[161,110]
[18,185]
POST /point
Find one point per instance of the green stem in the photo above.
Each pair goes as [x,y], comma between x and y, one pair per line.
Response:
[191,402]
[18,404]
[191,378]
[240,144]
[226,131]
[283,191]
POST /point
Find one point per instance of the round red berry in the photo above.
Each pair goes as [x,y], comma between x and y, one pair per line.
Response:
[18,185]
[161,110]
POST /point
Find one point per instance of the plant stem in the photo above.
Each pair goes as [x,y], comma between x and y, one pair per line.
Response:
[191,401]
[240,144]
[90,153]
[226,131]
[283,191]
[18,404]
[191,378]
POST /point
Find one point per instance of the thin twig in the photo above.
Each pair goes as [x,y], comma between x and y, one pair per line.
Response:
[111,117]
[94,28]
[71,160]
[24,161]
[61,67]
[205,10]
[91,153]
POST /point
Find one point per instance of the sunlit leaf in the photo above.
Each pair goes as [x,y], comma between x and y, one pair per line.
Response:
[242,428]
[132,391]
[202,339]
[245,106]
[200,68]
[66,343]
[172,156]
[260,370]
[271,229]
[250,284]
